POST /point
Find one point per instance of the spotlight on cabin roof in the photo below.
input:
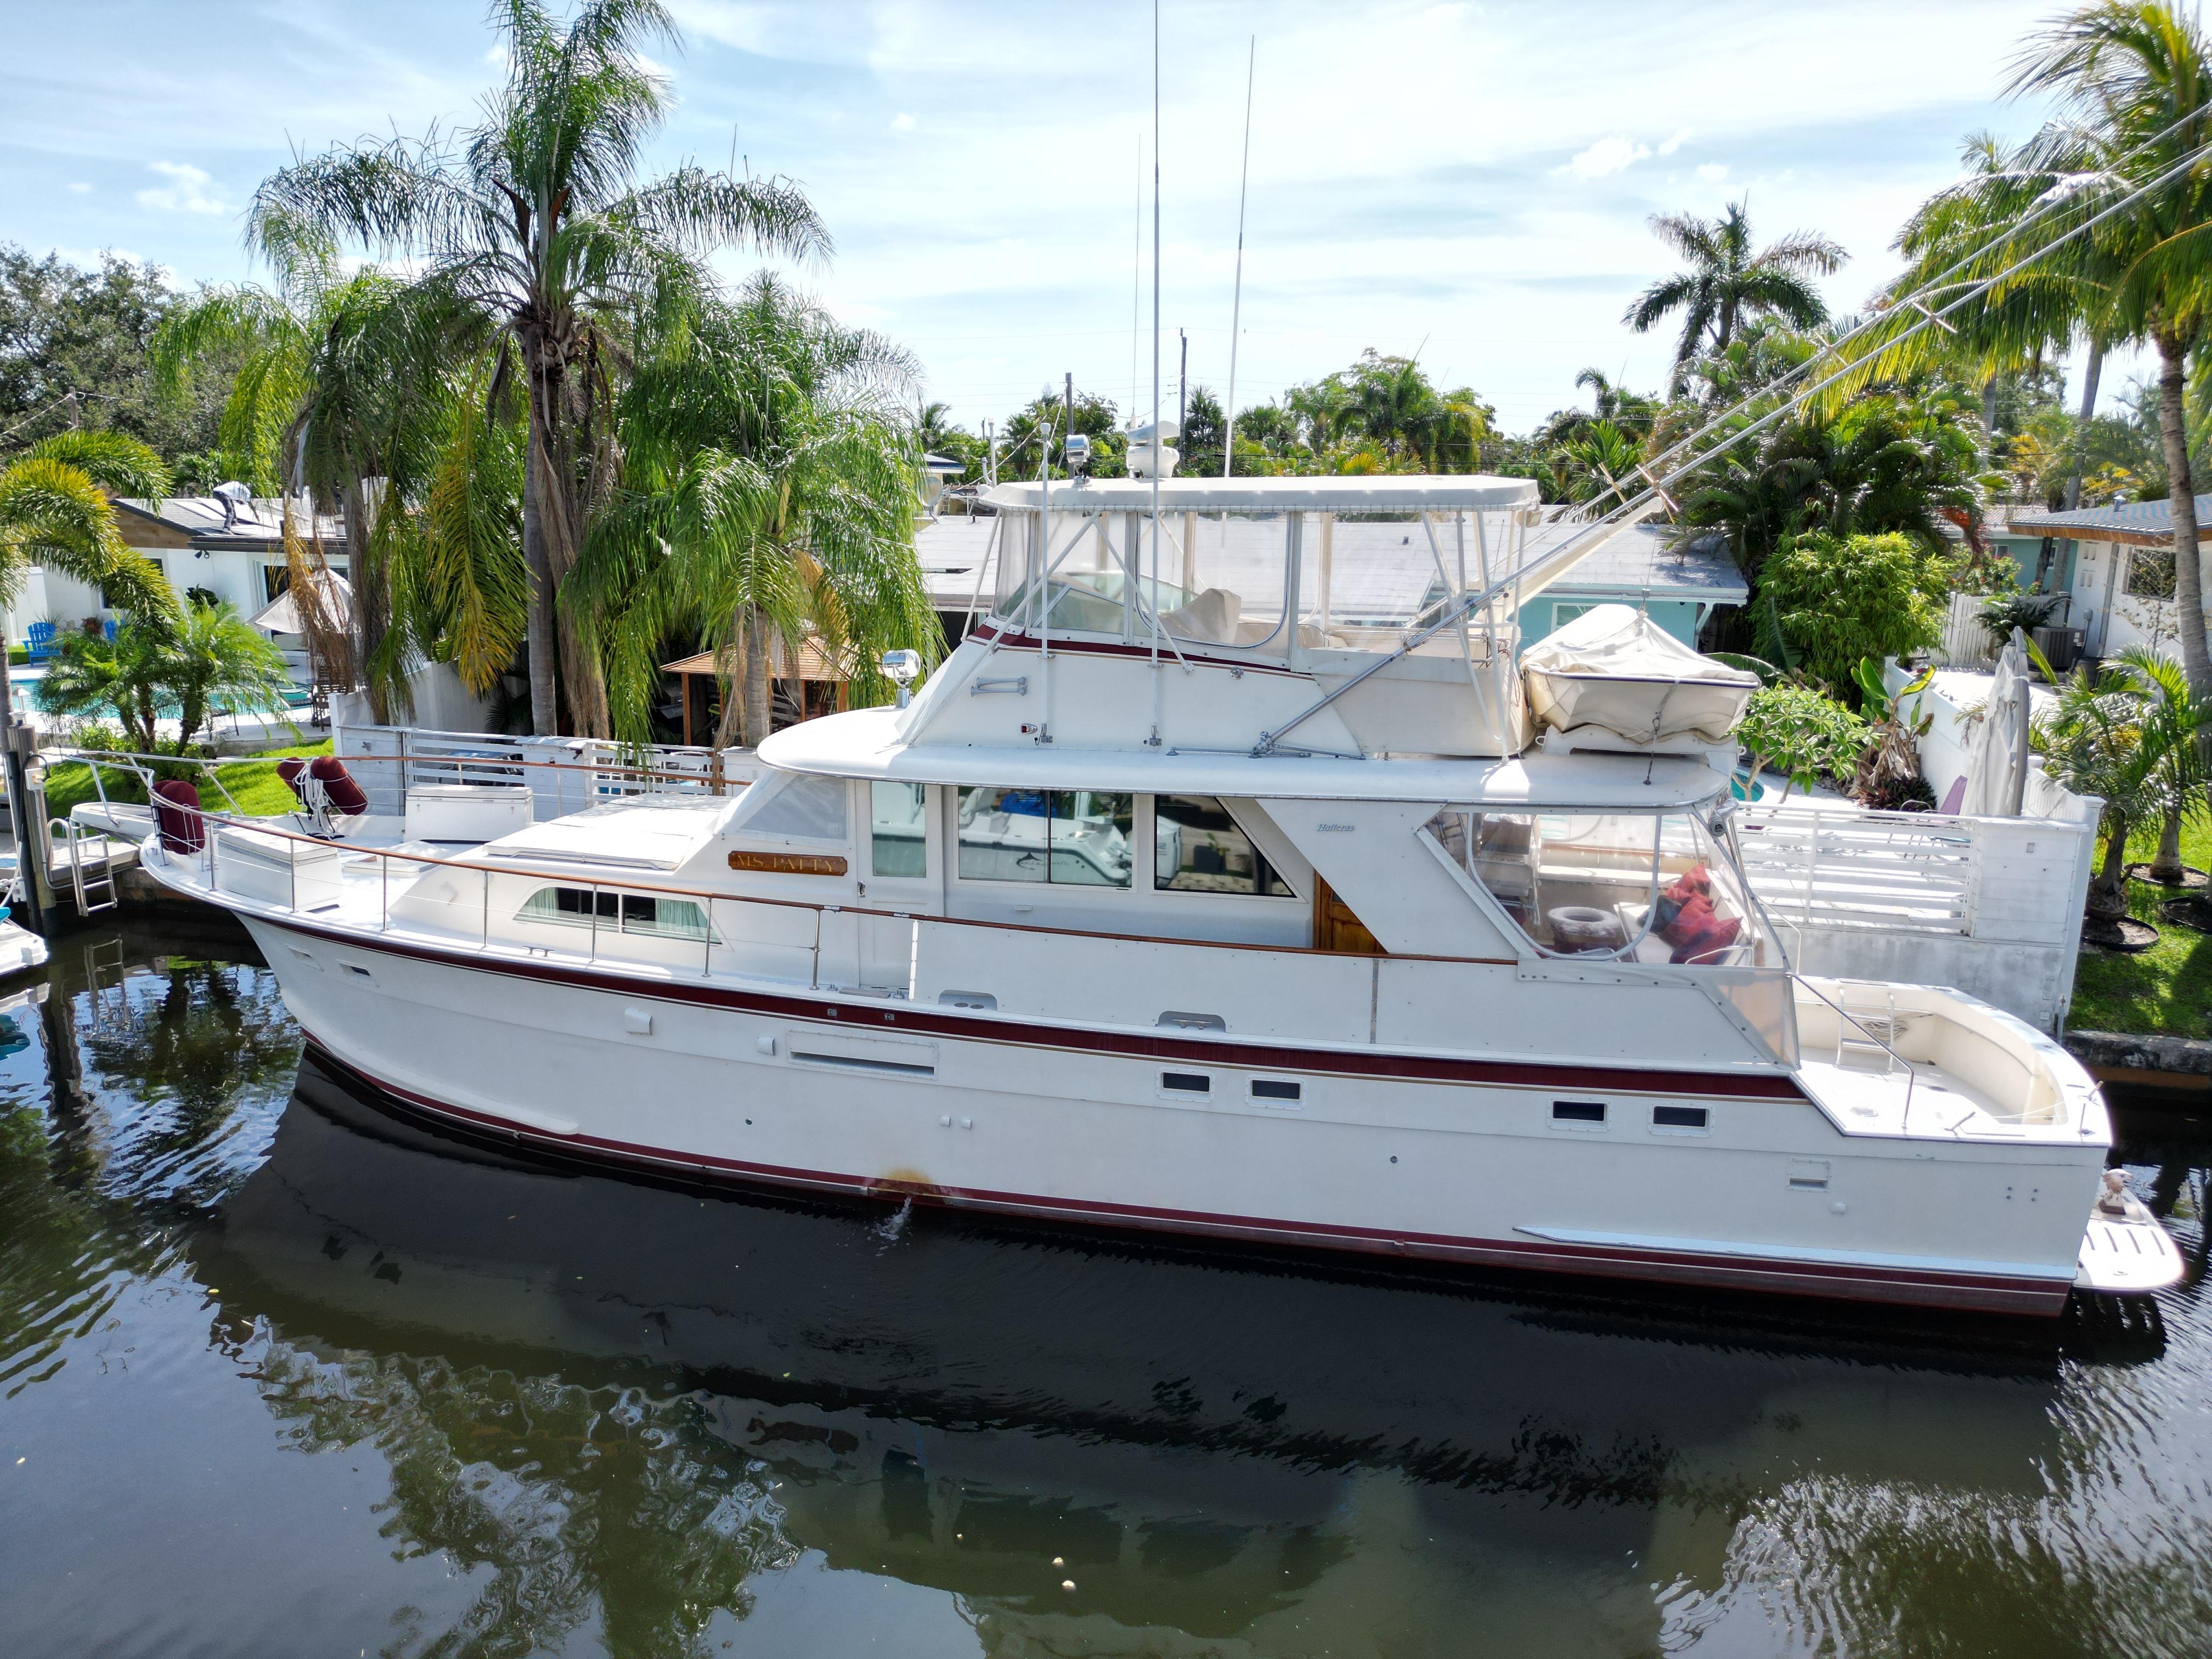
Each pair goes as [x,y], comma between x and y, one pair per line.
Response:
[1077,451]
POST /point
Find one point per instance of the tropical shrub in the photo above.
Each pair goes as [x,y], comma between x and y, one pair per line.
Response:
[1887,777]
[209,661]
[2130,734]
[1836,600]
[2026,611]
[1802,733]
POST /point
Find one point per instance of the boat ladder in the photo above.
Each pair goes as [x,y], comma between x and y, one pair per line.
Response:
[94,893]
[1865,1033]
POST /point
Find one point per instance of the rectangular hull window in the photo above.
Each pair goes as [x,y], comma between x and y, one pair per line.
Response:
[1678,1117]
[1187,1083]
[645,913]
[1580,1114]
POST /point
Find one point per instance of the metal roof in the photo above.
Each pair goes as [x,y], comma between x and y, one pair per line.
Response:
[1362,493]
[2140,523]
[259,525]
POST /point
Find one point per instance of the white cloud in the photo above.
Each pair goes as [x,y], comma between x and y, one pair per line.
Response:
[1609,155]
[1713,171]
[187,192]
[1674,144]
[655,66]
[903,122]
[80,188]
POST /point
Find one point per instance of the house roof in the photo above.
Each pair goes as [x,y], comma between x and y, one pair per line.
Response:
[1654,561]
[813,663]
[2140,524]
[259,527]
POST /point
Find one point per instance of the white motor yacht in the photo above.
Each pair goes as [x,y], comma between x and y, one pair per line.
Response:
[1217,884]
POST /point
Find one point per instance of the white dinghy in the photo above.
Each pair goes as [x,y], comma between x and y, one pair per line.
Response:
[1613,677]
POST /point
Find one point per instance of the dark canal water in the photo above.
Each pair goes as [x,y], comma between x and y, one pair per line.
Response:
[281,1375]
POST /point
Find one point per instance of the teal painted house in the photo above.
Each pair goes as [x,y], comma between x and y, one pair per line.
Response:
[1677,581]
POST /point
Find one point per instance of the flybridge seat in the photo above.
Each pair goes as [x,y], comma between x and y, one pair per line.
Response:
[1217,616]
[329,796]
[1613,678]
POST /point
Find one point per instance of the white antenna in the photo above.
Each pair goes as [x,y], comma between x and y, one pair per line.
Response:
[1237,304]
[1136,276]
[1159,447]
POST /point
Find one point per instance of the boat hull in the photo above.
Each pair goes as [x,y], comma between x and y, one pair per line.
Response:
[1442,1159]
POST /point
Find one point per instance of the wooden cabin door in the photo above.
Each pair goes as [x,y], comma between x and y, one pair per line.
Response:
[1336,928]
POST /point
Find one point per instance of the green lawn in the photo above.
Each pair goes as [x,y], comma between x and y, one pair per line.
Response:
[254,783]
[2168,988]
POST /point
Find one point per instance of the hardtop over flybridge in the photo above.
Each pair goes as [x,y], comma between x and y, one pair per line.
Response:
[1232,877]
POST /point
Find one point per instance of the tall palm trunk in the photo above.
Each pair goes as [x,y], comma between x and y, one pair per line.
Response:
[2108,889]
[2091,372]
[758,664]
[2166,865]
[544,695]
[2181,493]
[1990,415]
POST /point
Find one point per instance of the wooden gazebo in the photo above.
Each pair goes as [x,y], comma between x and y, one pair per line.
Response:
[823,687]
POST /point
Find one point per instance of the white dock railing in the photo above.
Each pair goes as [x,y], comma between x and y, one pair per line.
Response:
[1989,906]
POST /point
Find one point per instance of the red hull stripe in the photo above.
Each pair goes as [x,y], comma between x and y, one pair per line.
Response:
[1925,1287]
[1254,1056]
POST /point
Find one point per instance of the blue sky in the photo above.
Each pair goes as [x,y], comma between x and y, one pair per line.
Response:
[1468,181]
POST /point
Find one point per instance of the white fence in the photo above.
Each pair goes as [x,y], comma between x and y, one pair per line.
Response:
[1966,643]
[1990,906]
[565,775]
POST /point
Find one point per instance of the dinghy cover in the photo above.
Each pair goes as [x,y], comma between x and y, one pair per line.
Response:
[1614,668]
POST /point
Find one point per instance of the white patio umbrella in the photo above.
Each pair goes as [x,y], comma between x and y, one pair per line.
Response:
[283,615]
[1998,755]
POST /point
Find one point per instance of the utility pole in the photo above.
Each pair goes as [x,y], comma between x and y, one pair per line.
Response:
[1067,423]
[1182,388]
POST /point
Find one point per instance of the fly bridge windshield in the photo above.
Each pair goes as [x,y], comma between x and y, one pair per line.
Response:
[1266,582]
[1642,887]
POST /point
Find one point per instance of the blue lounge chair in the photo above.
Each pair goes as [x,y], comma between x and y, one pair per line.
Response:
[40,638]
[108,628]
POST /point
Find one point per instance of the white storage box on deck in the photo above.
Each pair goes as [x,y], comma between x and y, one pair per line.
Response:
[471,812]
[307,875]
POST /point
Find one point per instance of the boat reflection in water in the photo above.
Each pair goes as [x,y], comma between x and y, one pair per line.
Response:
[628,1401]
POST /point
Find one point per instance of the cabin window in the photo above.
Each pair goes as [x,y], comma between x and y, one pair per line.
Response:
[647,913]
[792,804]
[897,845]
[1198,848]
[1633,886]
[1068,838]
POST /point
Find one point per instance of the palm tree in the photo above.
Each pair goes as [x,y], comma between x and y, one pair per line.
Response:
[1727,282]
[55,510]
[535,240]
[2135,77]
[321,401]
[1596,462]
[769,488]
[2129,734]
[209,661]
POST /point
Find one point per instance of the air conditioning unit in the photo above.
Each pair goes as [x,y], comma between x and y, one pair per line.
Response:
[2061,646]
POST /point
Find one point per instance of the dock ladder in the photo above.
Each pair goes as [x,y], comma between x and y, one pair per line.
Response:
[97,892]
